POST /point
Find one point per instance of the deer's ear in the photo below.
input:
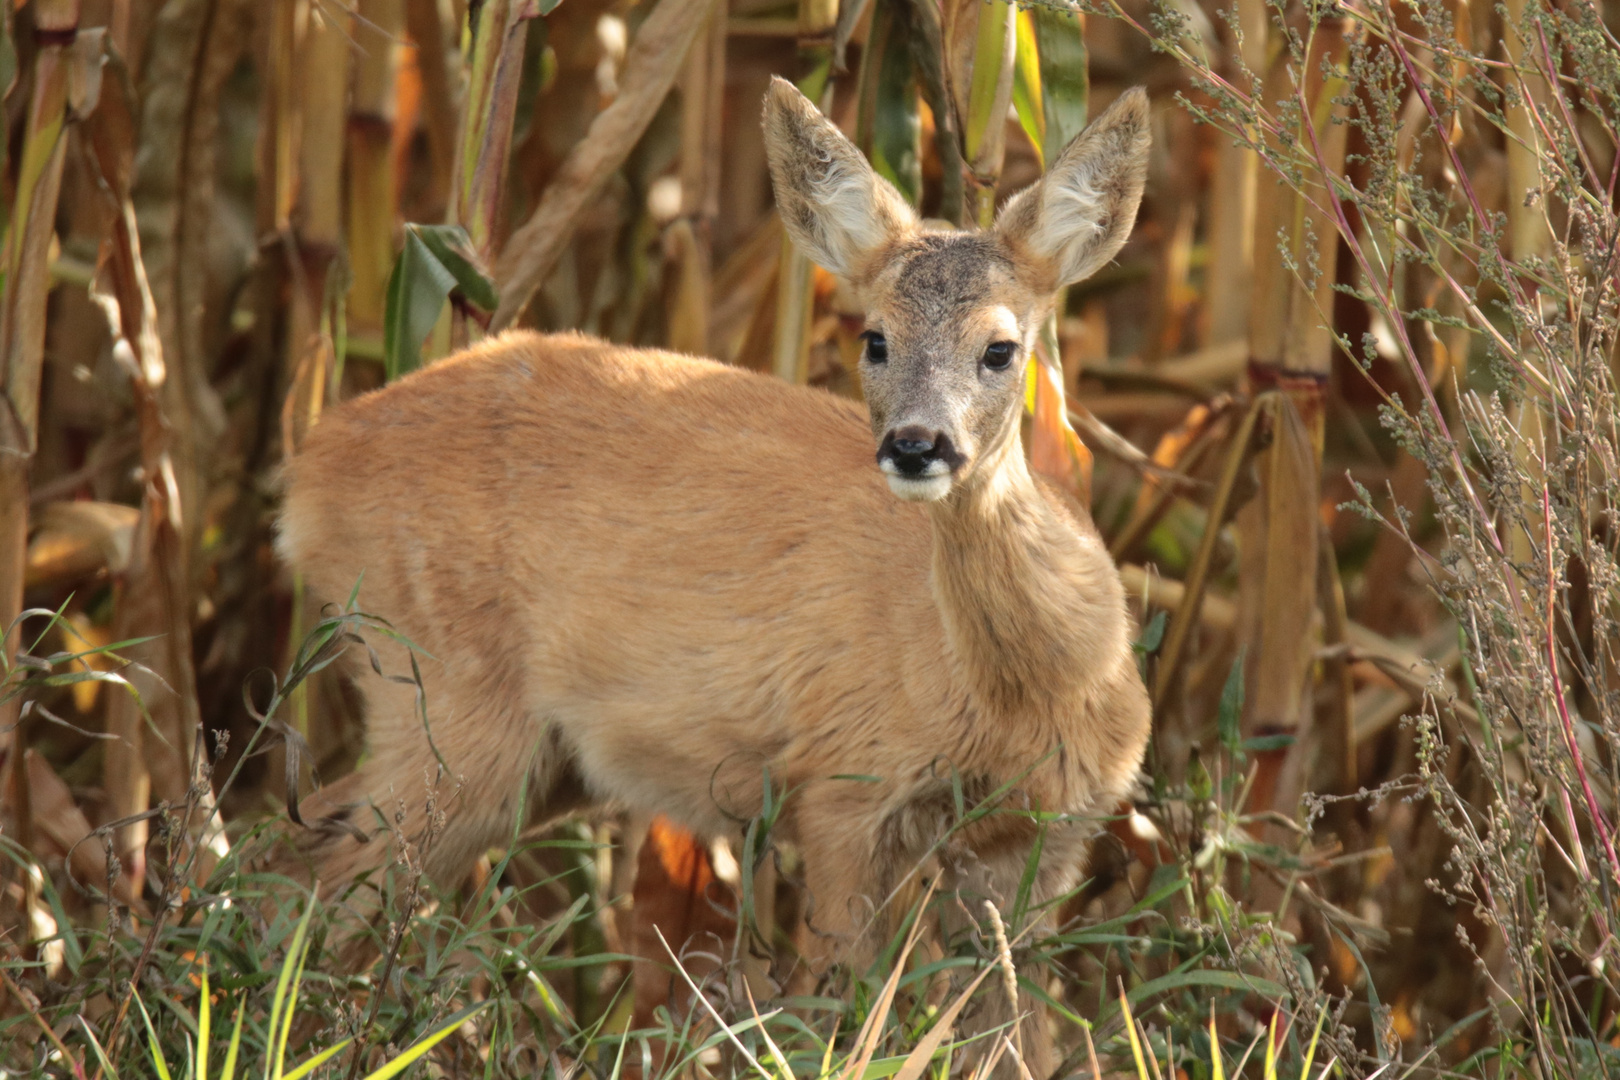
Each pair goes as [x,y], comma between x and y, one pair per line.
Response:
[837,210]
[1070,224]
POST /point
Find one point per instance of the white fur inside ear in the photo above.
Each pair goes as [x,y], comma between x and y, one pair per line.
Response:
[844,195]
[1074,213]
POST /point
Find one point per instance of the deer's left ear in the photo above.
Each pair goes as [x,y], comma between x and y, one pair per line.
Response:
[1068,225]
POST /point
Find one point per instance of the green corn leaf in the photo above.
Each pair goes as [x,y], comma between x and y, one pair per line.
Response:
[1152,636]
[1061,43]
[1027,97]
[435,261]
[889,119]
[451,246]
[984,88]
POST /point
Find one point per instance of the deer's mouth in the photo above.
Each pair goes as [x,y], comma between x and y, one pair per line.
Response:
[920,465]
[927,488]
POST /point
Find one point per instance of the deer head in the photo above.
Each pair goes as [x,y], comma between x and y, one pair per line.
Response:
[951,316]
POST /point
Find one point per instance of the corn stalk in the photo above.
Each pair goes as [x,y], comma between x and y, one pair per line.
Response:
[690,237]
[650,68]
[494,71]
[981,41]
[795,276]
[373,195]
[426,30]
[26,262]
[1529,234]
[1232,233]
[1291,350]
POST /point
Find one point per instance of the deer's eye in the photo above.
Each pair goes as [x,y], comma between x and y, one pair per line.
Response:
[1000,354]
[877,347]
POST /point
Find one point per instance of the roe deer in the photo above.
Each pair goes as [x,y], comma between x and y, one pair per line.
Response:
[648,579]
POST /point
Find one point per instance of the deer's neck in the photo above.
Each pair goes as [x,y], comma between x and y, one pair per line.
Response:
[1032,604]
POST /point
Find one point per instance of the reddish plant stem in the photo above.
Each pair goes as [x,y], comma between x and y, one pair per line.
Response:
[1599,824]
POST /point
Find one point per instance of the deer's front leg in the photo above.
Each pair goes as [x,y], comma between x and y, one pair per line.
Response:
[837,832]
[987,866]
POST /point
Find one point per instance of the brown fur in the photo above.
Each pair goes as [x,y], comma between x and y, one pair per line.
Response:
[647,578]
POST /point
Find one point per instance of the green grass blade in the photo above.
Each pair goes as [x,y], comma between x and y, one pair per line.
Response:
[101,1055]
[1270,1072]
[1136,1042]
[158,1063]
[287,1014]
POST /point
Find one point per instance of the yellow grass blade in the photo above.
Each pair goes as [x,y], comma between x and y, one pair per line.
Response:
[204,1014]
[426,1043]
[924,1051]
[229,1071]
[1310,1051]
[1130,1030]
[1271,1049]
[317,1061]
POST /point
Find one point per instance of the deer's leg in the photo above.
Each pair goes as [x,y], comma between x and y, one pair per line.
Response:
[422,807]
[838,839]
[990,869]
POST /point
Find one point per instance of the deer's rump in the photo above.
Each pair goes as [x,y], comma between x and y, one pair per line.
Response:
[700,565]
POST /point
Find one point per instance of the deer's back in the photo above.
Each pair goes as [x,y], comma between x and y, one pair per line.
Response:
[629,539]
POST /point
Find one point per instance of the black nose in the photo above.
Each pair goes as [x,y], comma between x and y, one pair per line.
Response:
[911,448]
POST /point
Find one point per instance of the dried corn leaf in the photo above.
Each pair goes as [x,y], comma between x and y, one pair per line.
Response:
[76,539]
[1055,451]
[496,71]
[654,60]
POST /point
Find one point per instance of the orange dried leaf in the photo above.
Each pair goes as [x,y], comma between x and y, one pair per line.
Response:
[1055,451]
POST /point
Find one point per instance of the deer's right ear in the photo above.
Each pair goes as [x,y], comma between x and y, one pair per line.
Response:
[1067,226]
[837,210]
